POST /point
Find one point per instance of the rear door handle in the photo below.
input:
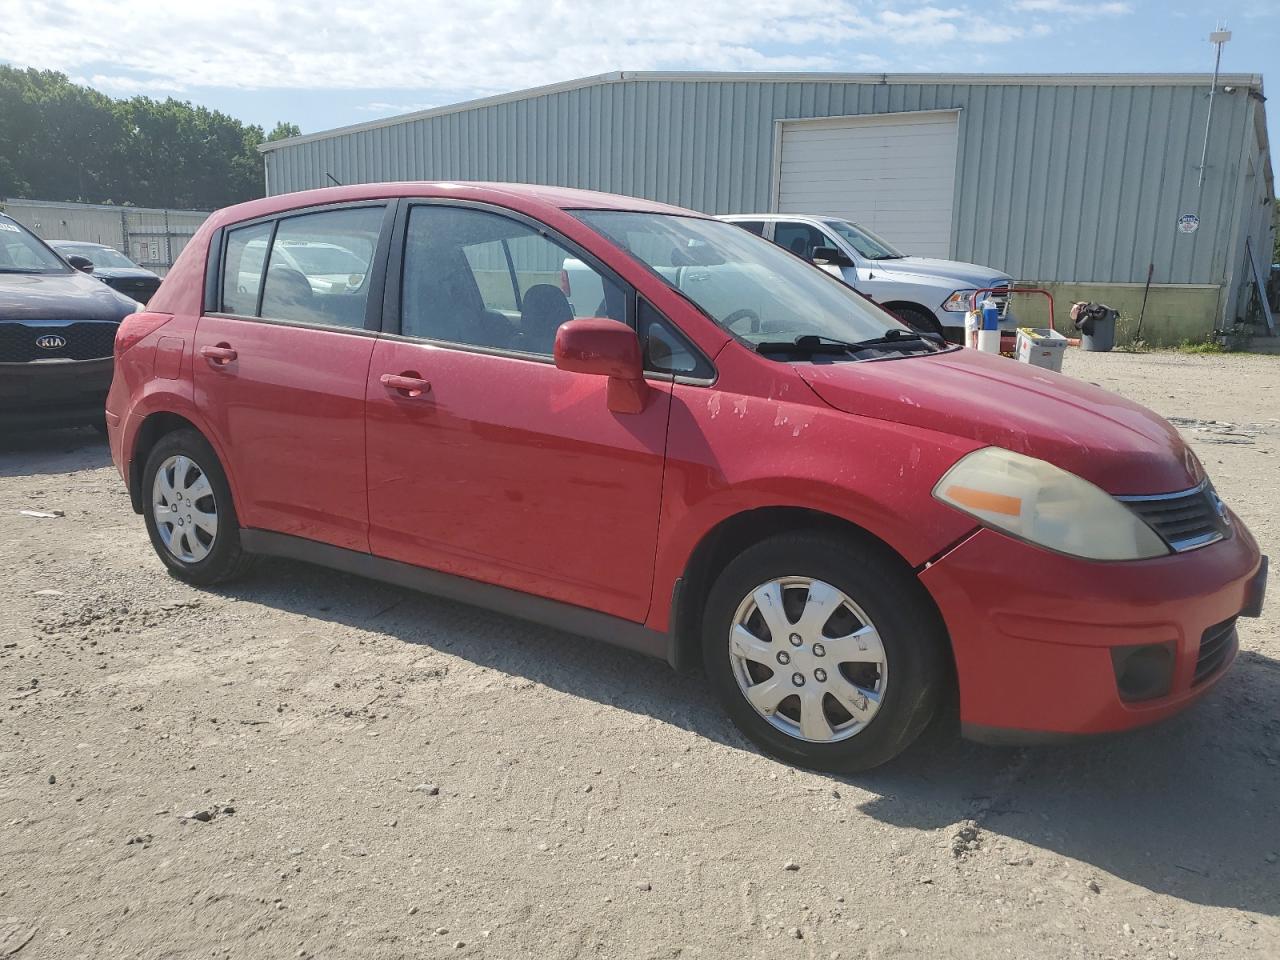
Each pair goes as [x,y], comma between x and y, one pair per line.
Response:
[219,355]
[407,384]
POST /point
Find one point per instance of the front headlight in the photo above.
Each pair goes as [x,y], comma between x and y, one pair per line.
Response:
[1045,505]
[959,301]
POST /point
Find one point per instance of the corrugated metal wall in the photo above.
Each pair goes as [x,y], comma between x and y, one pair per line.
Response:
[152,238]
[1075,182]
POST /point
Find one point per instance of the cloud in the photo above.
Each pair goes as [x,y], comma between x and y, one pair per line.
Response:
[442,50]
[1073,10]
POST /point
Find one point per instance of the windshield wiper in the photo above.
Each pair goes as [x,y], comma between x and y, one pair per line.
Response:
[812,343]
[806,343]
[892,335]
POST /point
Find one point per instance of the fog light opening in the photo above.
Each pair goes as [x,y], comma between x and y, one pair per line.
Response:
[1143,672]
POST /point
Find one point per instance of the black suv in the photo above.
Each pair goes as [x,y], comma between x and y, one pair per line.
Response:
[111,267]
[57,335]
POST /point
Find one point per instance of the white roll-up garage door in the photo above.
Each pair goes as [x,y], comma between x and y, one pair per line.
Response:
[893,173]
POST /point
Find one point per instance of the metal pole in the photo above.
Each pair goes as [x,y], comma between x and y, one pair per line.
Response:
[1218,38]
[1151,269]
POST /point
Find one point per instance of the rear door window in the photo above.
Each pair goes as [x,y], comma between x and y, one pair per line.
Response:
[318,270]
[242,269]
[751,226]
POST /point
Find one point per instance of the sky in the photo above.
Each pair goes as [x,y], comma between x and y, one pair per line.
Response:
[330,63]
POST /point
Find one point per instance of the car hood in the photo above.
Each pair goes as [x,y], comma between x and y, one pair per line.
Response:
[59,296]
[1118,445]
[966,274]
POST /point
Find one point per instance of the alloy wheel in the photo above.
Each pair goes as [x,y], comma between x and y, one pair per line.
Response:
[808,659]
[184,509]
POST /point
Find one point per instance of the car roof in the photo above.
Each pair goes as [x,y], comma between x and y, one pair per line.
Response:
[526,197]
[80,243]
[819,217]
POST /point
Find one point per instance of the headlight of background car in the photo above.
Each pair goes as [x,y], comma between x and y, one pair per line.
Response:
[959,301]
[1038,502]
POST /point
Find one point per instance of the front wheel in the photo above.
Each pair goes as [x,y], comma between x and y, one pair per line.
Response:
[824,651]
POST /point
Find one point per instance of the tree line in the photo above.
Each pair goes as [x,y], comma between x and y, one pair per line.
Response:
[63,141]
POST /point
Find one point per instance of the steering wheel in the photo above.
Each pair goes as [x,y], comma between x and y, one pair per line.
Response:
[746,313]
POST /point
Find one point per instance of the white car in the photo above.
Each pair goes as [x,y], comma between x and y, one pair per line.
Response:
[328,267]
[926,294]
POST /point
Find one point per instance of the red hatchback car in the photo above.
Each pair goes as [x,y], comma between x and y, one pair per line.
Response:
[651,427]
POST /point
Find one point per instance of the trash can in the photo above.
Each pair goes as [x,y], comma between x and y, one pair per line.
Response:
[1097,325]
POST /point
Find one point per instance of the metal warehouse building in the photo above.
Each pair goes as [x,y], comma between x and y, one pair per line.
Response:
[151,237]
[1076,182]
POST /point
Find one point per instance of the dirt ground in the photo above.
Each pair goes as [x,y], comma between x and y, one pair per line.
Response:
[305,764]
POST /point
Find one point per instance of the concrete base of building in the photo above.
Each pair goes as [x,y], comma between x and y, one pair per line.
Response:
[1175,312]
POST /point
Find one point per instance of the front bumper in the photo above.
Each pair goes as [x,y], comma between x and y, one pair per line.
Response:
[1033,631]
[53,393]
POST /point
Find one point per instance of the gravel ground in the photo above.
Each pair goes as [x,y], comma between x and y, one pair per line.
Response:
[308,764]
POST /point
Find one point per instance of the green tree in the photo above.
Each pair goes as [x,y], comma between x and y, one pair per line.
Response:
[63,141]
[283,131]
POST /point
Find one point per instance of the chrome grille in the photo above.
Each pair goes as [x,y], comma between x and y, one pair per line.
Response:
[1183,520]
[1216,647]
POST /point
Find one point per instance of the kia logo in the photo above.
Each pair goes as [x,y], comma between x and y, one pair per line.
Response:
[51,341]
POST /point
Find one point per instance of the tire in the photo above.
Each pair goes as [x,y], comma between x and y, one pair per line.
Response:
[917,318]
[177,508]
[892,700]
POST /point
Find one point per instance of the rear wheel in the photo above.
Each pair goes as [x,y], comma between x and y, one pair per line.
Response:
[824,651]
[188,510]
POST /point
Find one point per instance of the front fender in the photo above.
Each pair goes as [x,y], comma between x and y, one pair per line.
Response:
[729,454]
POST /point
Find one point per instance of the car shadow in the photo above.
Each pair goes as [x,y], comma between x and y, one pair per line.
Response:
[37,453]
[1186,809]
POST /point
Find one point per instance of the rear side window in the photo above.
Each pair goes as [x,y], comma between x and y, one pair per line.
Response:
[799,238]
[751,226]
[242,269]
[318,267]
[482,279]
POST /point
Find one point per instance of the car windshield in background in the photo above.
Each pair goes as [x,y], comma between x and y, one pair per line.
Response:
[758,292]
[98,256]
[20,252]
[864,241]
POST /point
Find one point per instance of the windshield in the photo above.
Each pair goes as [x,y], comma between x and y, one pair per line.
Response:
[751,288]
[98,256]
[20,252]
[864,241]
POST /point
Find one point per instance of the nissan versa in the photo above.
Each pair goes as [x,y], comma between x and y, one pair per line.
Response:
[844,521]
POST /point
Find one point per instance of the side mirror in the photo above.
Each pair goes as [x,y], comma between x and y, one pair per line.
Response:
[830,255]
[605,348]
[83,264]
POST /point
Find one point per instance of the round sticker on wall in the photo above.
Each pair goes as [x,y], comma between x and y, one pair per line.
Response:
[1188,223]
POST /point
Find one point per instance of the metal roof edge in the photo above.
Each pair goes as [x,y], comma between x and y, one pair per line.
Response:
[712,76]
[490,101]
[112,207]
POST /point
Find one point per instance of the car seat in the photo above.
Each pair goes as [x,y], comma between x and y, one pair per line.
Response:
[544,308]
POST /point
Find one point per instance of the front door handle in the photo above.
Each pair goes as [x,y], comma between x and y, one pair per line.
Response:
[407,384]
[219,355]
